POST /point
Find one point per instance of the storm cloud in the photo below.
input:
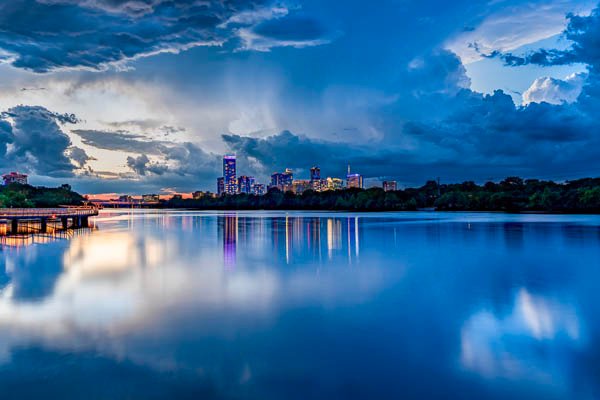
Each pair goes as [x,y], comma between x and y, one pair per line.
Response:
[47,35]
[31,140]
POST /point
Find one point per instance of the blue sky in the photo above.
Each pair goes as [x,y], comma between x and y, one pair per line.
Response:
[146,95]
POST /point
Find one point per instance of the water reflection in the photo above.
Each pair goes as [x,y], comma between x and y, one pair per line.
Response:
[307,305]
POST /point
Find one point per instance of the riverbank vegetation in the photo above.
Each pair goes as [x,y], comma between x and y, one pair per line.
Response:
[511,195]
[26,196]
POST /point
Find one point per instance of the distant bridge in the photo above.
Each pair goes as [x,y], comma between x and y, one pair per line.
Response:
[69,217]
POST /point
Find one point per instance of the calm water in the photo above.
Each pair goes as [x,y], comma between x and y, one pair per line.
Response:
[304,305]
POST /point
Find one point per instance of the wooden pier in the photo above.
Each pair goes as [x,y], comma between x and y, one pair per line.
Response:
[66,217]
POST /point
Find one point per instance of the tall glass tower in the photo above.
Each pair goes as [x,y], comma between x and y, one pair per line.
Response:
[229,174]
[315,173]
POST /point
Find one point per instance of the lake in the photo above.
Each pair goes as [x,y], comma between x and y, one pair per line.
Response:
[302,305]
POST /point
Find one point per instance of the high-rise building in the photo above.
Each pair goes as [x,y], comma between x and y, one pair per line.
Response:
[220,186]
[229,174]
[15,177]
[389,186]
[282,181]
[315,174]
[299,186]
[334,183]
[354,180]
[258,189]
[245,184]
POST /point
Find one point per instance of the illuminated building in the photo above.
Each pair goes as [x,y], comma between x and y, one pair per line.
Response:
[258,189]
[229,224]
[126,198]
[354,180]
[334,183]
[150,198]
[315,174]
[389,186]
[199,194]
[245,184]
[300,185]
[220,186]
[15,177]
[282,181]
[229,175]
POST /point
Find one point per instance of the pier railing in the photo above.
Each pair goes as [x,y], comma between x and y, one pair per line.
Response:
[10,213]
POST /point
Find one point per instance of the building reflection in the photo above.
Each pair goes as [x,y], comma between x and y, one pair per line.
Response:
[228,227]
[309,239]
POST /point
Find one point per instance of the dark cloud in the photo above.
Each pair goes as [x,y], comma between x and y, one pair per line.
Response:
[142,165]
[31,140]
[172,158]
[46,35]
[120,141]
[474,136]
[78,156]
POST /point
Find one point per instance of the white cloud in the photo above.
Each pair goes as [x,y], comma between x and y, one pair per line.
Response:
[555,91]
[514,27]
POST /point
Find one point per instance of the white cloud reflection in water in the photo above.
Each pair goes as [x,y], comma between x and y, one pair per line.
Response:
[121,285]
[531,342]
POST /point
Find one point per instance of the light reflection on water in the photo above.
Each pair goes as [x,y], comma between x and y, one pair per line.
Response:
[156,304]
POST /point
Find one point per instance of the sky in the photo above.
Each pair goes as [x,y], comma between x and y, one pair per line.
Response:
[139,96]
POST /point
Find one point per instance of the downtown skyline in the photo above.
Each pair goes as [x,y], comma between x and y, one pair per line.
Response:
[156,91]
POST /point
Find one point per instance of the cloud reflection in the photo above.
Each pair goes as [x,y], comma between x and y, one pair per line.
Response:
[142,275]
[529,343]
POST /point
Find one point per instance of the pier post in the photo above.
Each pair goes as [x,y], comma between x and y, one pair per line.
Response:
[65,222]
[44,225]
[14,226]
[85,223]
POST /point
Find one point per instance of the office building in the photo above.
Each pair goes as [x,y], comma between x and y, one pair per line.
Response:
[220,186]
[150,198]
[229,175]
[334,184]
[315,174]
[245,184]
[389,186]
[14,177]
[199,194]
[258,189]
[299,186]
[354,181]
[282,181]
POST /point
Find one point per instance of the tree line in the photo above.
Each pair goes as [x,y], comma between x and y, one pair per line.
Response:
[513,194]
[16,195]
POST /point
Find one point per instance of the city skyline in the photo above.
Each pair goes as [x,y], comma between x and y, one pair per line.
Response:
[461,90]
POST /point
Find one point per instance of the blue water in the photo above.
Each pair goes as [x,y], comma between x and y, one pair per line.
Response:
[269,305]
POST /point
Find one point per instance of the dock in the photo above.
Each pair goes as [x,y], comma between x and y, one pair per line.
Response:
[67,217]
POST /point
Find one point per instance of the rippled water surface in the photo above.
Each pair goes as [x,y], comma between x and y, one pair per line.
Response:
[265,305]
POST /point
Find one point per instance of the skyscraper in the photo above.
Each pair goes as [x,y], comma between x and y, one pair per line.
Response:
[315,173]
[282,181]
[229,174]
[220,186]
[245,184]
[354,180]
